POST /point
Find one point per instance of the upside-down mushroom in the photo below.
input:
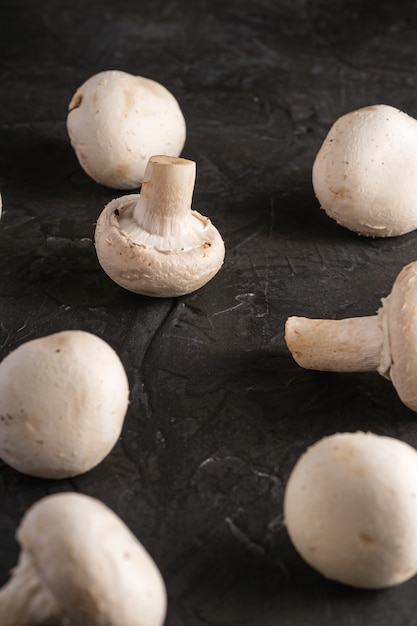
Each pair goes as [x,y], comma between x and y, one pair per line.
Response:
[152,243]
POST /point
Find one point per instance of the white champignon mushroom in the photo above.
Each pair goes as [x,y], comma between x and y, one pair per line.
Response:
[80,565]
[152,243]
[116,121]
[350,509]
[365,173]
[63,399]
[385,342]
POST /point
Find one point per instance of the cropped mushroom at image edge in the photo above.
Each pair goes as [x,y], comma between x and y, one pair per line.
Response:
[117,121]
[385,342]
[152,243]
[80,565]
[63,400]
[350,514]
[365,173]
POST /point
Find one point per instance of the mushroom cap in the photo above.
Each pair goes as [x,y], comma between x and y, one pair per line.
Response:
[116,121]
[151,270]
[350,508]
[63,399]
[91,563]
[399,317]
[365,173]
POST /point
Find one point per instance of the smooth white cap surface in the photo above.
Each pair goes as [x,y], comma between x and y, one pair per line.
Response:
[350,509]
[365,173]
[63,399]
[117,121]
[91,563]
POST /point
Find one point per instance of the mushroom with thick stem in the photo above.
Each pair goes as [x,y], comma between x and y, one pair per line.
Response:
[385,342]
[81,565]
[365,173]
[152,243]
[63,399]
[350,509]
[116,121]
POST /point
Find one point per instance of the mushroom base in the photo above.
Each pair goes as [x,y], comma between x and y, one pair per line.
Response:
[24,601]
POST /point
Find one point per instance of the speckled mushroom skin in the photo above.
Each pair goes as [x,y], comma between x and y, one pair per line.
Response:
[365,173]
[351,507]
[63,399]
[171,272]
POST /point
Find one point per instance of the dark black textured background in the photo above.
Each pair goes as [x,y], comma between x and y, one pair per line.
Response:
[219,411]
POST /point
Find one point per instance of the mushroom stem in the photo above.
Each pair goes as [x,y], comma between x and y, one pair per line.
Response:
[25,601]
[347,345]
[166,195]
[153,243]
[385,342]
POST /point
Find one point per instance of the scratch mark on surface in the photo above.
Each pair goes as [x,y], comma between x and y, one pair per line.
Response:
[231,308]
[274,479]
[267,270]
[276,523]
[290,265]
[320,255]
[238,533]
[249,238]
[207,461]
[190,339]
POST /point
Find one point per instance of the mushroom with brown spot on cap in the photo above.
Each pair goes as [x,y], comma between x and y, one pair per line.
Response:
[350,509]
[385,342]
[81,565]
[152,243]
[63,400]
[116,121]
